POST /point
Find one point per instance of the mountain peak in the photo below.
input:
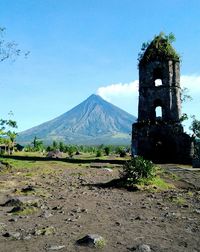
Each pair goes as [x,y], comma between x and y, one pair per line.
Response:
[94,97]
[94,121]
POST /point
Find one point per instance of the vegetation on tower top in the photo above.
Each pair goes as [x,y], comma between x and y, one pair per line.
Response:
[159,48]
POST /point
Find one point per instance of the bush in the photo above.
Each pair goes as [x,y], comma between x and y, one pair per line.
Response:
[107,150]
[121,151]
[70,151]
[99,153]
[138,169]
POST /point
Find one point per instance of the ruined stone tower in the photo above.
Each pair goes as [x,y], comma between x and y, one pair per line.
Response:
[158,135]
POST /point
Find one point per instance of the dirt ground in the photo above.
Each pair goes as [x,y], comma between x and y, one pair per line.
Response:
[68,203]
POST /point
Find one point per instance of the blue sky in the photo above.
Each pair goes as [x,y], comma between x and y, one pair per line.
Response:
[81,47]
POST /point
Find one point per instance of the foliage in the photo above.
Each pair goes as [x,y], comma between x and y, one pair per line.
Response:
[7,134]
[61,147]
[9,49]
[162,44]
[99,153]
[100,243]
[55,145]
[37,144]
[160,184]
[195,127]
[107,150]
[184,117]
[71,150]
[121,151]
[137,169]
[178,200]
[185,96]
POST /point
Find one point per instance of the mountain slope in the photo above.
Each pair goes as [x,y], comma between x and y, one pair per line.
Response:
[94,121]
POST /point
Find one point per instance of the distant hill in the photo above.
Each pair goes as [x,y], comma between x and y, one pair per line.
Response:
[94,121]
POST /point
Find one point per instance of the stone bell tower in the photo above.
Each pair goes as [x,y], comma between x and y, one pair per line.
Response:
[158,135]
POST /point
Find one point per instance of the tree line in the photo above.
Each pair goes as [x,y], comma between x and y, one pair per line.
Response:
[37,145]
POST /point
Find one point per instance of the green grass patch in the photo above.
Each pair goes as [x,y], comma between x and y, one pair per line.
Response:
[179,200]
[170,175]
[190,194]
[99,244]
[28,210]
[154,184]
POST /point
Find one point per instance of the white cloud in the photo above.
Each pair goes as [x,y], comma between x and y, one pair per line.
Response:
[192,82]
[124,90]
[125,95]
[118,90]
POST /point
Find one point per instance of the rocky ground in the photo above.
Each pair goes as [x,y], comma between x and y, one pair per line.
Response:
[48,206]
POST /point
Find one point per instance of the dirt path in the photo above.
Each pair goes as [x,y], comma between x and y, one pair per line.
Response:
[68,204]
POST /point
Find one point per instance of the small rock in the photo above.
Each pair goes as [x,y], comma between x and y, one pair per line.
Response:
[84,210]
[13,235]
[22,200]
[28,188]
[2,226]
[16,209]
[92,240]
[183,243]
[27,237]
[57,208]
[138,217]
[197,211]
[45,214]
[107,169]
[55,247]
[12,202]
[143,248]
[44,231]
[185,206]
[13,220]
[54,154]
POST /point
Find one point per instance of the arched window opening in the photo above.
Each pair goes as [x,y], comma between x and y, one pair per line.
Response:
[158,82]
[158,112]
[158,108]
[157,77]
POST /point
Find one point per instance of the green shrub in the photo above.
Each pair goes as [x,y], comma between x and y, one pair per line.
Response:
[121,151]
[71,151]
[99,153]
[107,150]
[138,169]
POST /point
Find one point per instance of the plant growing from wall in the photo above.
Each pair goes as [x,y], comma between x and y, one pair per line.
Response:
[160,47]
